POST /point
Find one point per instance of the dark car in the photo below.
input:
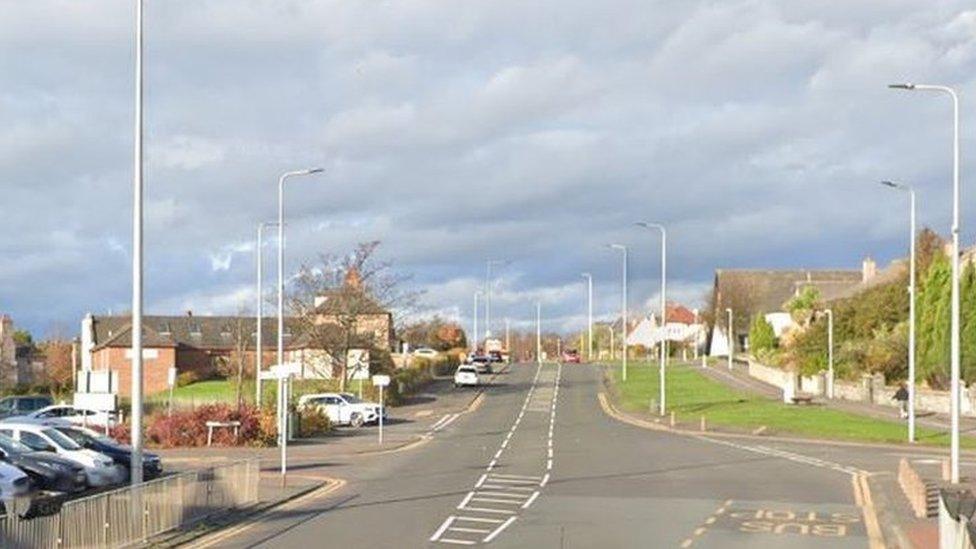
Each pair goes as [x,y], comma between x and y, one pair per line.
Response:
[22,405]
[120,453]
[47,470]
[496,356]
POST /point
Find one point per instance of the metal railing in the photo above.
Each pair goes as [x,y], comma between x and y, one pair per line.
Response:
[128,516]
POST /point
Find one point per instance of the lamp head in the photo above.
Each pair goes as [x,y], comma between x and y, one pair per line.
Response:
[891,184]
[310,171]
[902,86]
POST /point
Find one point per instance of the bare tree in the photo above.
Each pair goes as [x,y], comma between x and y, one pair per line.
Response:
[347,302]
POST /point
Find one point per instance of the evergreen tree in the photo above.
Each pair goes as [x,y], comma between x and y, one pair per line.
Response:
[932,332]
[762,337]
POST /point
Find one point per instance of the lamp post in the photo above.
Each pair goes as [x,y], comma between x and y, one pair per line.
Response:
[612,347]
[135,463]
[664,305]
[474,330]
[538,332]
[830,353]
[954,335]
[488,265]
[280,355]
[259,320]
[731,337]
[589,316]
[623,310]
[911,305]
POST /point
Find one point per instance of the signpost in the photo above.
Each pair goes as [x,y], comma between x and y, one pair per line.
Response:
[283,373]
[381,381]
[171,380]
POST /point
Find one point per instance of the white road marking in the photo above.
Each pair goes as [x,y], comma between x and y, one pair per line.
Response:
[495,500]
[466,499]
[456,541]
[531,499]
[489,510]
[494,534]
[545,480]
[481,519]
[481,480]
[442,528]
[512,480]
[471,530]
[505,475]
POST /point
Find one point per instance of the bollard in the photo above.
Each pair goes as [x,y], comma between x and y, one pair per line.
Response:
[652,407]
[704,362]
[672,419]
[703,424]
[946,470]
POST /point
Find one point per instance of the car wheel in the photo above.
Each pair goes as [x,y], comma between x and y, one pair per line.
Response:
[356,420]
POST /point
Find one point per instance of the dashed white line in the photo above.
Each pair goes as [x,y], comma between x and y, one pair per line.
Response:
[466,499]
[530,500]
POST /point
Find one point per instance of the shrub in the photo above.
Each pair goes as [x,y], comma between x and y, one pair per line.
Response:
[313,422]
[762,337]
[186,378]
[187,428]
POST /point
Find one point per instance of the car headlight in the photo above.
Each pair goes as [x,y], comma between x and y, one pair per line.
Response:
[57,466]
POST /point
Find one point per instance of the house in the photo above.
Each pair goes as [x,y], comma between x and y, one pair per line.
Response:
[682,327]
[748,292]
[19,364]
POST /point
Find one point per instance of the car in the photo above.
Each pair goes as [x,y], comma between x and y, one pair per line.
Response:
[21,405]
[571,356]
[496,357]
[343,408]
[14,483]
[466,374]
[47,471]
[481,363]
[425,352]
[100,470]
[121,454]
[67,414]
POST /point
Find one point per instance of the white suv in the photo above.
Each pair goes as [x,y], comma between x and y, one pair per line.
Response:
[343,408]
[466,375]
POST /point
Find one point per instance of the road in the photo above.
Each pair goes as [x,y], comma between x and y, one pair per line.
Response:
[541,465]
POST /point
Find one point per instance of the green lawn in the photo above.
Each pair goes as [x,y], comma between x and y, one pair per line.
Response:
[691,395]
[201,392]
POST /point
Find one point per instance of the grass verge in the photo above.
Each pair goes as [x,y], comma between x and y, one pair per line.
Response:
[691,395]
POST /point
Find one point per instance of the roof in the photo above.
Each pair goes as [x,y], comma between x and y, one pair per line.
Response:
[206,332]
[679,313]
[769,289]
[895,270]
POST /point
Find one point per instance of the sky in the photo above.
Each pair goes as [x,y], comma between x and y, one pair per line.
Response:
[456,132]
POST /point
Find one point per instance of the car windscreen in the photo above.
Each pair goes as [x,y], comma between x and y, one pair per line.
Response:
[467,370]
[12,446]
[352,399]
[61,439]
[73,434]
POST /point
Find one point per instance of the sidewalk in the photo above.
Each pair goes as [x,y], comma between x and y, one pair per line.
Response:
[739,378]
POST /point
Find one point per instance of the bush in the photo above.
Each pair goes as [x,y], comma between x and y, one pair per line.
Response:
[313,422]
[186,378]
[187,428]
[762,337]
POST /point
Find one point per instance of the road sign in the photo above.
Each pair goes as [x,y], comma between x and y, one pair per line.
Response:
[381,381]
[287,369]
[171,377]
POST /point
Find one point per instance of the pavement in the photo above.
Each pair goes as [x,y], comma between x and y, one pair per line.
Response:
[541,464]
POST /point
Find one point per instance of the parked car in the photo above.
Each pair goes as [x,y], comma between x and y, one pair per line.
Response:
[496,357]
[571,356]
[69,414]
[466,374]
[47,471]
[21,405]
[13,482]
[344,408]
[425,352]
[121,454]
[481,363]
[100,470]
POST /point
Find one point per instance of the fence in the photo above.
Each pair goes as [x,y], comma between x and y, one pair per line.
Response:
[128,516]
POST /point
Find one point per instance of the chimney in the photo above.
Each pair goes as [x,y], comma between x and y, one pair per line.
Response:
[189,312]
[868,269]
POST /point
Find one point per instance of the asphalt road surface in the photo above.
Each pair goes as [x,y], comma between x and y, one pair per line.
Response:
[541,465]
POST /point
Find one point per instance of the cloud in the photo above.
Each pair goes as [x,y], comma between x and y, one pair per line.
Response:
[454,132]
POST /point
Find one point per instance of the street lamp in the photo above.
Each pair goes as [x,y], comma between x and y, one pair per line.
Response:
[664,302]
[488,265]
[474,330]
[589,316]
[955,345]
[911,304]
[538,332]
[259,345]
[623,309]
[135,460]
[830,353]
[283,406]
[731,337]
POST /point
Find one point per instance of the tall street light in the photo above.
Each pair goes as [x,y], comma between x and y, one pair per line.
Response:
[259,320]
[135,460]
[911,304]
[830,353]
[664,303]
[623,310]
[538,332]
[731,337]
[474,329]
[589,316]
[283,408]
[955,345]
[488,265]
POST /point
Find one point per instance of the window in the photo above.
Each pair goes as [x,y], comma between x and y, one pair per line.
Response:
[195,330]
[164,329]
[61,439]
[35,442]
[7,432]
[332,400]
